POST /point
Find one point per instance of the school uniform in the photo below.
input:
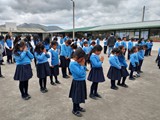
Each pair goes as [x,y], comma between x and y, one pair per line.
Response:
[97,41]
[43,69]
[159,58]
[87,50]
[123,43]
[54,61]
[114,72]
[117,44]
[96,73]
[105,45]
[130,46]
[140,58]
[47,46]
[148,48]
[8,46]
[3,45]
[150,45]
[65,53]
[78,90]
[23,71]
[133,63]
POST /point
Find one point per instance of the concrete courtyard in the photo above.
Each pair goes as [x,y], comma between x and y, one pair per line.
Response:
[141,101]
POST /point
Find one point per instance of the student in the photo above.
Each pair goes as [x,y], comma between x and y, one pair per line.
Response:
[93,43]
[54,62]
[1,59]
[74,48]
[9,48]
[124,43]
[140,57]
[97,41]
[65,57]
[118,43]
[105,45]
[2,48]
[46,43]
[114,72]
[158,58]
[43,69]
[123,63]
[148,48]
[87,50]
[23,71]
[130,46]
[96,74]
[78,90]
[150,45]
[133,62]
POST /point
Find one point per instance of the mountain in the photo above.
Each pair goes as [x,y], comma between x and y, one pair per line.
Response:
[45,28]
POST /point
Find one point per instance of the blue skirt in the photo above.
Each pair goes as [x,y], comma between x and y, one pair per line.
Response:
[64,62]
[96,75]
[43,70]
[124,72]
[23,72]
[114,73]
[78,91]
[55,70]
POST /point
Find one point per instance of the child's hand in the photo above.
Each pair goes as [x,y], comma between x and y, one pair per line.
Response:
[102,59]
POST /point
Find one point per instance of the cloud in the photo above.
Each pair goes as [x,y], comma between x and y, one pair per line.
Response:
[88,13]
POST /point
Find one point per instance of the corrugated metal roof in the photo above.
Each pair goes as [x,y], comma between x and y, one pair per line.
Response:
[136,25]
[24,30]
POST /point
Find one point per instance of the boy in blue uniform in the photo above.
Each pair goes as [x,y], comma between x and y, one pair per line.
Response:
[150,47]
[130,46]
[54,62]
[78,90]
[23,71]
[140,57]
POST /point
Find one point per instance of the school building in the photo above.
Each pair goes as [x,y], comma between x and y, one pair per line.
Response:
[146,30]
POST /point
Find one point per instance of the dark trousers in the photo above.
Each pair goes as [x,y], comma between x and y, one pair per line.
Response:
[157,58]
[131,74]
[94,88]
[0,71]
[105,49]
[140,65]
[149,51]
[76,107]
[64,71]
[129,52]
[146,52]
[42,83]
[9,58]
[23,87]
[123,80]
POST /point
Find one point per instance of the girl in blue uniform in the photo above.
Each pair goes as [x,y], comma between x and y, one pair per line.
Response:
[78,90]
[54,62]
[23,71]
[124,43]
[130,46]
[114,72]
[9,48]
[96,74]
[133,62]
[118,43]
[140,57]
[65,57]
[150,47]
[46,43]
[123,63]
[43,69]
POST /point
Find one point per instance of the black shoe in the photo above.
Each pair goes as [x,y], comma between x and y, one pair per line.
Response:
[52,83]
[97,95]
[1,76]
[124,85]
[132,78]
[119,84]
[114,88]
[42,90]
[58,82]
[28,96]
[77,113]
[66,77]
[25,97]
[81,109]
[46,90]
[141,71]
[92,96]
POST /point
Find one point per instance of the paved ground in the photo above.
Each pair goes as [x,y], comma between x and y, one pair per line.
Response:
[141,101]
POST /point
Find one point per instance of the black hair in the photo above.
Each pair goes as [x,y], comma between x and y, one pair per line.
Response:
[132,39]
[7,37]
[46,40]
[97,48]
[17,47]
[140,41]
[86,42]
[133,49]
[140,47]
[79,53]
[119,39]
[54,43]
[120,48]
[1,37]
[56,39]
[93,43]
[69,42]
[116,51]
[74,46]
[151,41]
[123,38]
[39,47]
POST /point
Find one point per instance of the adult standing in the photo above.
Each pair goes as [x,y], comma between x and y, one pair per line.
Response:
[111,42]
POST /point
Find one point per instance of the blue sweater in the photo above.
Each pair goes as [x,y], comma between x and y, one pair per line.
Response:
[65,50]
[78,71]
[87,50]
[9,43]
[141,54]
[117,44]
[130,45]
[24,58]
[122,61]
[123,43]
[41,58]
[54,57]
[105,42]
[95,61]
[134,59]
[114,62]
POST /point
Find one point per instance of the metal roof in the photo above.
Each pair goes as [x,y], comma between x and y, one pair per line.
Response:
[24,30]
[136,25]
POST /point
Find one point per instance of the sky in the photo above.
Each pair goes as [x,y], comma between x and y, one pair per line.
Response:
[87,12]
